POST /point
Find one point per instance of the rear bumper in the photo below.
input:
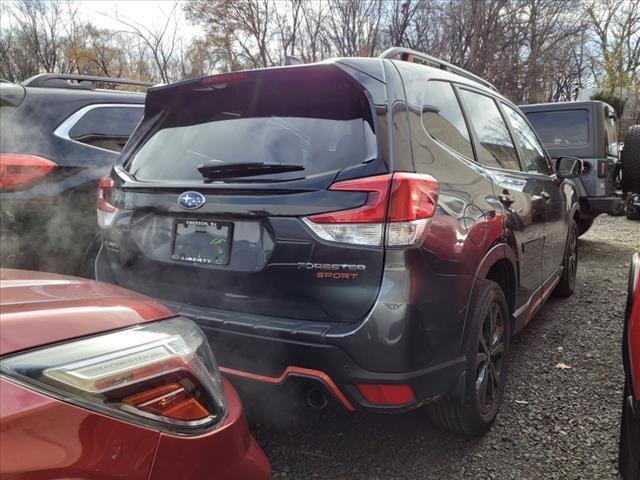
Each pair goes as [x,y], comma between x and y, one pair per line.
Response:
[611,205]
[247,354]
[411,336]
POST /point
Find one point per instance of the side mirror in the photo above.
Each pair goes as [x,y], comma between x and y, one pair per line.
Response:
[568,167]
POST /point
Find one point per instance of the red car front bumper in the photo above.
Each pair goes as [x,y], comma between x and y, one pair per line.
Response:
[228,452]
[44,438]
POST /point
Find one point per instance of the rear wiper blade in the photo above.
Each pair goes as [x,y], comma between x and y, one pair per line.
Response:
[248,169]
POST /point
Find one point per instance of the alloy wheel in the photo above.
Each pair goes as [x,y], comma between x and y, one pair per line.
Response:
[489,358]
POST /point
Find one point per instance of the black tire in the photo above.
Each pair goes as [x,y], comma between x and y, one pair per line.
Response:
[584,225]
[628,466]
[630,160]
[486,367]
[567,283]
[632,211]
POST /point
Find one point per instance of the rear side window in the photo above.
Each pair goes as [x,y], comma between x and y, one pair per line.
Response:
[318,119]
[533,157]
[442,118]
[107,126]
[496,148]
[568,128]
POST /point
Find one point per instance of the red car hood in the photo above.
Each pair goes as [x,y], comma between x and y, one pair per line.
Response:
[38,308]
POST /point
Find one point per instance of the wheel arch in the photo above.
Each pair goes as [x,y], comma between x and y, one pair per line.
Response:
[500,265]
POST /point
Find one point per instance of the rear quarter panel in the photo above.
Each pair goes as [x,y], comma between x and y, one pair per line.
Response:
[467,224]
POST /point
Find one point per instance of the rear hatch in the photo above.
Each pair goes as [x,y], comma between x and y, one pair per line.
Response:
[212,196]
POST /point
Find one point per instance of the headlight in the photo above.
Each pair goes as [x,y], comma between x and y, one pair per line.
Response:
[161,375]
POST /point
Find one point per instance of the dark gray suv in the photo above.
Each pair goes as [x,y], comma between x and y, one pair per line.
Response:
[377,228]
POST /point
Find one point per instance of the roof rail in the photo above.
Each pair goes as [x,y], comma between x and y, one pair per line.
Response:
[409,55]
[83,82]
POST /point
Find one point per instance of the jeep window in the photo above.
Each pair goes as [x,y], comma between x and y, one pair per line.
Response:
[533,157]
[562,128]
[496,148]
[107,127]
[318,119]
[442,118]
[611,133]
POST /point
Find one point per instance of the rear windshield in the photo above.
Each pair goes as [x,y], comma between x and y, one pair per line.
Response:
[318,119]
[569,128]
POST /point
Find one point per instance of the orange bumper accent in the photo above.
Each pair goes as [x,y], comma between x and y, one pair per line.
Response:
[296,371]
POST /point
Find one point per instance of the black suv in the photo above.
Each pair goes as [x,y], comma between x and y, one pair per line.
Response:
[376,226]
[60,134]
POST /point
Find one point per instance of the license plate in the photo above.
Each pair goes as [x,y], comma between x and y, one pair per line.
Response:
[201,241]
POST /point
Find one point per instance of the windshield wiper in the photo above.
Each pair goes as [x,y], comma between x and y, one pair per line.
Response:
[248,169]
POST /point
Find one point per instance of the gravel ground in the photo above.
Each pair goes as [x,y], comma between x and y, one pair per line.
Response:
[554,423]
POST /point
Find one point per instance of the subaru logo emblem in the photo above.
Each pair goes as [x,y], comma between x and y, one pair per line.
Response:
[191,200]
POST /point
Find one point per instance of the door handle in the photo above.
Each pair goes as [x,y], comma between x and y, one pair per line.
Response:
[506,199]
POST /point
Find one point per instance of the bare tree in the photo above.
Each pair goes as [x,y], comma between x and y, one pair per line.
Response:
[400,21]
[354,27]
[161,41]
[615,27]
[532,50]
[288,19]
[248,24]
[312,42]
[36,40]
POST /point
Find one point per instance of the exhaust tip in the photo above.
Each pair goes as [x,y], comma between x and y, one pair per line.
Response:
[316,398]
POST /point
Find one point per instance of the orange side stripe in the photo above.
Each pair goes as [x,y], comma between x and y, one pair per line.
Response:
[323,377]
[541,298]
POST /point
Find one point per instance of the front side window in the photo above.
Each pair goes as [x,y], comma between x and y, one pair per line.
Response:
[442,118]
[496,148]
[533,157]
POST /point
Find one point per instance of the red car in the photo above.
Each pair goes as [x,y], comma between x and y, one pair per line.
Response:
[629,456]
[100,382]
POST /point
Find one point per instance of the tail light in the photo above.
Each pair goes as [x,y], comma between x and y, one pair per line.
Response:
[160,375]
[106,211]
[224,78]
[400,203]
[18,171]
[602,168]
